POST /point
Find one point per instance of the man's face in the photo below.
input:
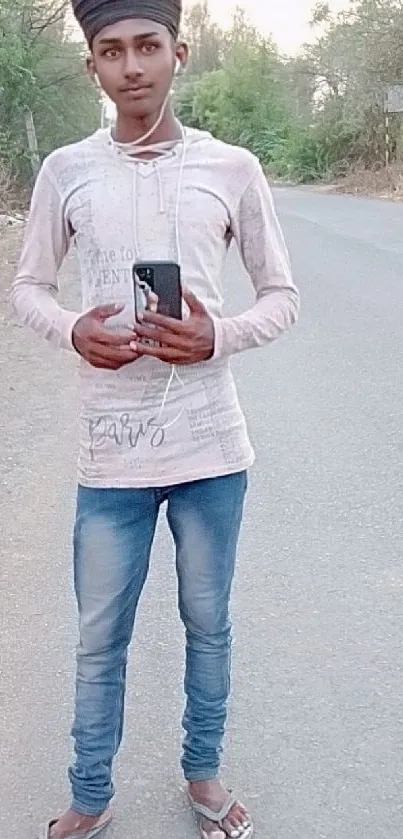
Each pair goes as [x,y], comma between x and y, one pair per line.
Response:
[134,61]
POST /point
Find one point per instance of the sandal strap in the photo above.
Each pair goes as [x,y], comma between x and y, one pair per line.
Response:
[212,815]
[88,834]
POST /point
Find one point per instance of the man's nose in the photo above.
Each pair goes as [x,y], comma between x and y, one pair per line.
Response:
[132,65]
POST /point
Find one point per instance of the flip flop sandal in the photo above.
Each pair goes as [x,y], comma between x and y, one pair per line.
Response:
[218,818]
[101,824]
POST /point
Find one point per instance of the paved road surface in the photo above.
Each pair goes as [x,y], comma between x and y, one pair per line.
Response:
[316,739]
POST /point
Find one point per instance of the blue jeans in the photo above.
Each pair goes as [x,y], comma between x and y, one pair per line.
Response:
[114,532]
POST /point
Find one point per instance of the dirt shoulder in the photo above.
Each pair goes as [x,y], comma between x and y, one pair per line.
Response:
[10,245]
[386,183]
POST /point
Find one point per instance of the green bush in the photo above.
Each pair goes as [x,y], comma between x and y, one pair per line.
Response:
[311,117]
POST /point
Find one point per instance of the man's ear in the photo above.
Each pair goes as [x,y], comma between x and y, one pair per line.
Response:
[182,54]
[91,69]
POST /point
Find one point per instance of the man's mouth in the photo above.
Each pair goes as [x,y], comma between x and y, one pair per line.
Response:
[135,90]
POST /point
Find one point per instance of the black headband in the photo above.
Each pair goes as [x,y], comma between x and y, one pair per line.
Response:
[94,15]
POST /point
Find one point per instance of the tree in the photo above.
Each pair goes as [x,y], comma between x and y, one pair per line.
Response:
[205,39]
[243,101]
[314,115]
[358,55]
[39,65]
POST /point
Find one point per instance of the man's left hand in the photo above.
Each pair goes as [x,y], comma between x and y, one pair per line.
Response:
[180,341]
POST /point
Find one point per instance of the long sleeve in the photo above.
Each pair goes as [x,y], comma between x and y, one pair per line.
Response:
[34,292]
[256,230]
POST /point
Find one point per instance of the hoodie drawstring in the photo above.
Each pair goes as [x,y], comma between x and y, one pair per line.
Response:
[162,150]
[160,187]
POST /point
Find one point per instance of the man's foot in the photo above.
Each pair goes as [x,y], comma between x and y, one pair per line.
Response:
[213,795]
[71,822]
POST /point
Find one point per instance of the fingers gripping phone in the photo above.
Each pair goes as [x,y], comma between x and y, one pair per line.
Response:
[157,288]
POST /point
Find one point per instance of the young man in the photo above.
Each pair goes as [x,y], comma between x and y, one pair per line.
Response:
[160,419]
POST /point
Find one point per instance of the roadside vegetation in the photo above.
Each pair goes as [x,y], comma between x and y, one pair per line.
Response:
[314,117]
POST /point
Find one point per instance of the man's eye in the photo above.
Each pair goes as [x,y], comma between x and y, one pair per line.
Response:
[148,49]
[111,53]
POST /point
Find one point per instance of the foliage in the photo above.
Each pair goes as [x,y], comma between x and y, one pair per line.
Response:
[243,100]
[41,75]
[311,116]
[206,38]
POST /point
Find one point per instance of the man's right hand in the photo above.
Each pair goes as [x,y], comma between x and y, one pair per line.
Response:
[102,347]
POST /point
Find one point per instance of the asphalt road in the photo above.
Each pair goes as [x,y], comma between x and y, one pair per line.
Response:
[315,741]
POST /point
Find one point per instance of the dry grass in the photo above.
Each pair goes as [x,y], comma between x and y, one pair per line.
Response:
[385,182]
[7,185]
[14,197]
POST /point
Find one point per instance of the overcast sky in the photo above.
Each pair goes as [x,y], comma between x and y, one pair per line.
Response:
[286,20]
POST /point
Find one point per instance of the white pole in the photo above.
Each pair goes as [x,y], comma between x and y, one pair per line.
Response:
[32,142]
[387,140]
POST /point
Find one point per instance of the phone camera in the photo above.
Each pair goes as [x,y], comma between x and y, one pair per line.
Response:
[145,274]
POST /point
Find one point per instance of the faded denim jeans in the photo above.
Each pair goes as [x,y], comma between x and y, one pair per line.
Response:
[113,537]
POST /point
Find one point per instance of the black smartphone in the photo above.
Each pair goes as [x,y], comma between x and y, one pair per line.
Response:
[157,287]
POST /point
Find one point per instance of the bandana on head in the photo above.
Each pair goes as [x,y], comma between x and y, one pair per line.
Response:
[94,15]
